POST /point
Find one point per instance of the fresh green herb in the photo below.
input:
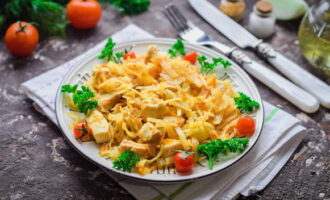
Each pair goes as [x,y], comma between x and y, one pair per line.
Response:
[177,48]
[49,15]
[214,147]
[81,97]
[126,161]
[130,7]
[69,88]
[245,103]
[109,54]
[207,67]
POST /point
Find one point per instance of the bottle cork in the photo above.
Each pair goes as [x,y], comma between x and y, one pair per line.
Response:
[264,7]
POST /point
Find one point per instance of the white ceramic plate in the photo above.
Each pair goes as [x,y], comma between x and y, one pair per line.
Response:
[239,78]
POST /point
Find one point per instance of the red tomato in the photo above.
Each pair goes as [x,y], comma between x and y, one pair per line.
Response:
[21,38]
[82,131]
[246,125]
[191,57]
[183,163]
[129,54]
[83,14]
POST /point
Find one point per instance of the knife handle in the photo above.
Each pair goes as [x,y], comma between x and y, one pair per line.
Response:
[279,84]
[297,74]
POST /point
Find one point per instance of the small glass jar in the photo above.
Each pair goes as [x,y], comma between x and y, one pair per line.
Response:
[262,20]
[233,8]
[314,36]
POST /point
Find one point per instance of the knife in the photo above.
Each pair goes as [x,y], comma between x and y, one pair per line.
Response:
[242,38]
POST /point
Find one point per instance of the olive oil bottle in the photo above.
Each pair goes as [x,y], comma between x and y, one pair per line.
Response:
[314,36]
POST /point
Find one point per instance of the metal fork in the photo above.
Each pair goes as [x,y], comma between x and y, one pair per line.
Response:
[191,33]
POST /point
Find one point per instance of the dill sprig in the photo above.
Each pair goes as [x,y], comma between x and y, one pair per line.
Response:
[49,15]
[130,7]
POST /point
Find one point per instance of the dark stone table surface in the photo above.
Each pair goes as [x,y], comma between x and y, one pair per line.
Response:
[37,163]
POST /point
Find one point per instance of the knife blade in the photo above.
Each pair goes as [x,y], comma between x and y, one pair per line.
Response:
[233,31]
[242,38]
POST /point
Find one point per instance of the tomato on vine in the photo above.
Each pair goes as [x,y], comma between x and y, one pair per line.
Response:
[21,38]
[83,14]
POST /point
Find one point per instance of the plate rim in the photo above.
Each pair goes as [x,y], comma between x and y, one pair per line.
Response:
[92,56]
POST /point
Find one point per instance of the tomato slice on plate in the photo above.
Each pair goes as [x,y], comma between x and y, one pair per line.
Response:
[246,125]
[191,57]
[82,131]
[184,161]
[129,54]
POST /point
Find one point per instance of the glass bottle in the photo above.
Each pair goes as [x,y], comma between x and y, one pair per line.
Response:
[314,36]
[262,20]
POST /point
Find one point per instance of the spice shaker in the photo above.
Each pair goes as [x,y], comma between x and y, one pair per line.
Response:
[233,8]
[262,20]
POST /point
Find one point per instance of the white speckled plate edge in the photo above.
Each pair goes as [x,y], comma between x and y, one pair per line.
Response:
[240,79]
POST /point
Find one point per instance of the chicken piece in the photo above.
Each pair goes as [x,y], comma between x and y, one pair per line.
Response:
[155,69]
[142,150]
[153,110]
[151,53]
[99,125]
[149,133]
[107,101]
[171,146]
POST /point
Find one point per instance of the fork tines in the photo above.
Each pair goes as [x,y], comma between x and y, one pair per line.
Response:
[178,21]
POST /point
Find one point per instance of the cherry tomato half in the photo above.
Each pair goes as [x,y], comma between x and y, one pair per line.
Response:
[82,131]
[191,57]
[83,14]
[21,38]
[183,163]
[129,54]
[246,125]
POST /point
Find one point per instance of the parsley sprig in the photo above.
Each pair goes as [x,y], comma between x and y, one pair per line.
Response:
[81,97]
[245,103]
[208,67]
[214,147]
[108,53]
[126,161]
[177,48]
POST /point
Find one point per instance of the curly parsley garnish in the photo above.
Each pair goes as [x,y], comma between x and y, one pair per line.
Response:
[108,53]
[126,161]
[214,147]
[245,103]
[177,48]
[207,67]
[81,97]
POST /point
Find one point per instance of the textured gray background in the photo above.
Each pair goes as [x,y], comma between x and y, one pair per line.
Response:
[36,162]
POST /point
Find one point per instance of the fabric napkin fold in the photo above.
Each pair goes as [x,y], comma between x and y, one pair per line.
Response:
[280,137]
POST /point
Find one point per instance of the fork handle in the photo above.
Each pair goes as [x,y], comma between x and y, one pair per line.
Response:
[296,73]
[279,84]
